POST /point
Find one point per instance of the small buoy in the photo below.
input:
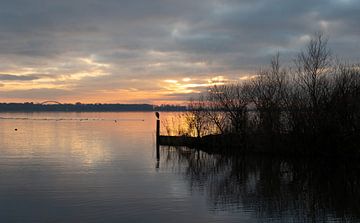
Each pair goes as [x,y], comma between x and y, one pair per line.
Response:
[15,129]
[115,121]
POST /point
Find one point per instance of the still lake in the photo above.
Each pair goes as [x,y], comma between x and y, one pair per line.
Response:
[102,167]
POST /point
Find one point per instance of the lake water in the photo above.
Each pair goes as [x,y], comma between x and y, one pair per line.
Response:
[102,167]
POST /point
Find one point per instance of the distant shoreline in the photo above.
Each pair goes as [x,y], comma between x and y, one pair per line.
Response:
[31,107]
[137,111]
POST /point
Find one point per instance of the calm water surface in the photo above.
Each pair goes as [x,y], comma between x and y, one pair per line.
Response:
[101,167]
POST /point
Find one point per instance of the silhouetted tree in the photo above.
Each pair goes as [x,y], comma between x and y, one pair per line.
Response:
[234,105]
[312,69]
[315,106]
[196,118]
[268,94]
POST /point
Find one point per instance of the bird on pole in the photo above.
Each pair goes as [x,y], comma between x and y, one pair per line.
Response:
[157,115]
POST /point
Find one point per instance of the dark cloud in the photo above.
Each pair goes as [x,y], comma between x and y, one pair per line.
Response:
[42,94]
[10,77]
[161,39]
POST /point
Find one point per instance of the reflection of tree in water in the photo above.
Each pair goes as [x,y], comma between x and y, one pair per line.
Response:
[289,190]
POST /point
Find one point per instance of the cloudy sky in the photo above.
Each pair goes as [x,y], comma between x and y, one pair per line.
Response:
[156,51]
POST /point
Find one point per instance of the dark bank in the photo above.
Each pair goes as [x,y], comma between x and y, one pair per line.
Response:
[311,108]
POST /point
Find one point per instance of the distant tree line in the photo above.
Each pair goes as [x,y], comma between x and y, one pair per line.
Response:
[78,107]
[312,106]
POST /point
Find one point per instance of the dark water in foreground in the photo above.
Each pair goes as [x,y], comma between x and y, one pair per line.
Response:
[85,167]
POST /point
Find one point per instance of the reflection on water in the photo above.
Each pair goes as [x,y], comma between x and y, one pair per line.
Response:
[273,189]
[85,167]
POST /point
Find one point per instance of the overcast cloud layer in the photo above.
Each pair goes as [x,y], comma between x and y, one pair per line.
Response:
[156,51]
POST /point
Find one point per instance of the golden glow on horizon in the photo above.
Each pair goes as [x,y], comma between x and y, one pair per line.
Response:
[247,77]
[130,95]
[168,91]
[188,85]
[84,79]
[52,77]
[28,86]
[171,81]
[70,75]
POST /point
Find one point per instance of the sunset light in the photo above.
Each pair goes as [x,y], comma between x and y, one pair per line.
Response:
[179,111]
[163,54]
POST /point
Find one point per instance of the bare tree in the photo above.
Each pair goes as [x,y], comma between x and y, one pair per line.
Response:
[312,68]
[268,94]
[233,103]
[345,98]
[196,117]
[216,113]
[315,105]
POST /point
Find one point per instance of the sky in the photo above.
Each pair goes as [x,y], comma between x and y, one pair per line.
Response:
[156,51]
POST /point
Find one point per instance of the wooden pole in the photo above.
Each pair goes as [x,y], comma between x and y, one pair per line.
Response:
[157,135]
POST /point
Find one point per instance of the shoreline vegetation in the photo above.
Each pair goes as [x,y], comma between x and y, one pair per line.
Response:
[311,108]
